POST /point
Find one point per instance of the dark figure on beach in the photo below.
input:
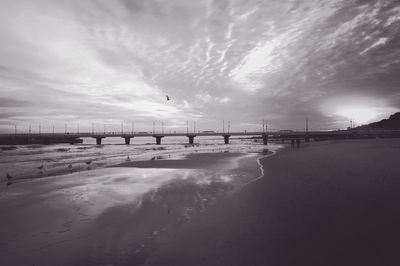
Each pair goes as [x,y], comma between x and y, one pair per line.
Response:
[292,143]
[128,158]
[40,167]
[9,177]
[167,97]
[297,143]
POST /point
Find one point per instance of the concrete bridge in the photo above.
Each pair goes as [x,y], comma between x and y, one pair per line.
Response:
[49,138]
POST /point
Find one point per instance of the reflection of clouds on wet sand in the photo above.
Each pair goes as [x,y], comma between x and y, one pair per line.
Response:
[111,214]
[139,228]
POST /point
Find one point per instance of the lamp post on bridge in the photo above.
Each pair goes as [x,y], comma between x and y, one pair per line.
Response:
[307,137]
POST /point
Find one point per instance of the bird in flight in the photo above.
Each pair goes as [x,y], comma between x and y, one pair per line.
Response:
[167,97]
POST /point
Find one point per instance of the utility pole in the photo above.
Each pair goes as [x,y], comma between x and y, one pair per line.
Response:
[104,128]
[187,126]
[53,129]
[263,125]
[15,129]
[229,126]
[194,126]
[92,129]
[30,129]
[132,128]
[154,127]
[307,125]
[65,128]
[223,126]
[122,127]
[40,129]
[77,128]
[162,127]
[307,137]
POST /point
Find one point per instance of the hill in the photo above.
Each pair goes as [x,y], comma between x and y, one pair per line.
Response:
[392,123]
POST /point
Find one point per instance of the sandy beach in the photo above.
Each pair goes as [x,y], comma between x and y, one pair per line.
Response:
[328,203]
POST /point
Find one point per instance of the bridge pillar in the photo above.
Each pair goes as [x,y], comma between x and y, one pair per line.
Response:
[98,140]
[158,139]
[191,140]
[127,140]
[226,138]
[265,139]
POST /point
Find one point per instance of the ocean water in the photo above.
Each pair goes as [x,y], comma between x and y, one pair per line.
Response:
[35,161]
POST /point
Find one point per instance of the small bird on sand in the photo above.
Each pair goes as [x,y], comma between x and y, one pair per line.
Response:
[9,177]
[70,166]
[40,167]
[88,162]
[9,183]
[167,98]
[128,158]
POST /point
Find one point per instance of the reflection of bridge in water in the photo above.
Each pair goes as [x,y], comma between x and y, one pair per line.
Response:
[49,138]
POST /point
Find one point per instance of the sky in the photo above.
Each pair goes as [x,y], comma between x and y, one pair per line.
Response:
[90,63]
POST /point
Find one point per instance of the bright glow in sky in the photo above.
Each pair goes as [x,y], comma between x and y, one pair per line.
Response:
[98,61]
[358,114]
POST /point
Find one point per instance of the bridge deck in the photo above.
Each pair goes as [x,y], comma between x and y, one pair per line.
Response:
[47,138]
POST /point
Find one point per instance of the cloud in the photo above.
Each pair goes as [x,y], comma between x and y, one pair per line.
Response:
[113,61]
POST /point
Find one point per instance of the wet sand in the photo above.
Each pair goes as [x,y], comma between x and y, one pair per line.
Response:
[211,161]
[113,216]
[328,203]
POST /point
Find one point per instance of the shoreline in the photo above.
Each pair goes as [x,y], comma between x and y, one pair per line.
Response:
[44,162]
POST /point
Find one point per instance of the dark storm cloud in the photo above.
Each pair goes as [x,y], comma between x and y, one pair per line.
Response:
[243,60]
